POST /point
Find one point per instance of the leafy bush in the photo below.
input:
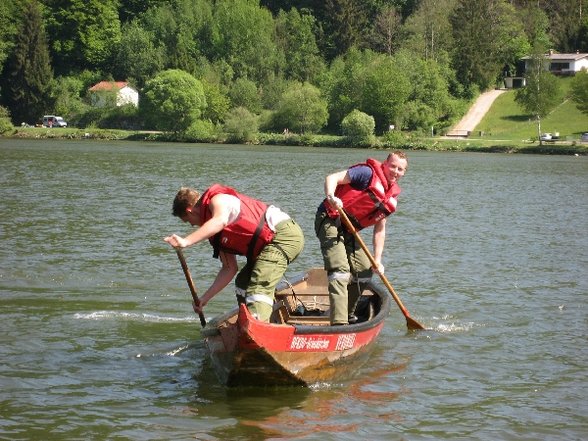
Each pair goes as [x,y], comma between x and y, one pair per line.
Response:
[241,125]
[124,117]
[394,138]
[90,118]
[5,123]
[201,131]
[359,128]
[358,124]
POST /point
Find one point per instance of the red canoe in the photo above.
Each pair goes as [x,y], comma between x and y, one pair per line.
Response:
[298,346]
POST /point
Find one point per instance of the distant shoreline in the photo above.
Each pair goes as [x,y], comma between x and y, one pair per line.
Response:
[428,144]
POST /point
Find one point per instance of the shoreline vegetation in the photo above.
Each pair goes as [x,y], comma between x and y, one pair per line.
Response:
[472,144]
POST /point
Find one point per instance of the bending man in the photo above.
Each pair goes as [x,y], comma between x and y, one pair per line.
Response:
[236,224]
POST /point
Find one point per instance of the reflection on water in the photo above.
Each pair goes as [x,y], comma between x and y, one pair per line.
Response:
[299,413]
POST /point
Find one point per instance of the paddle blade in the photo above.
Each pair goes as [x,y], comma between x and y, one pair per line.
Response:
[413,324]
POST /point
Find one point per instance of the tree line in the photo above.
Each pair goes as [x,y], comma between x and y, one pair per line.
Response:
[245,65]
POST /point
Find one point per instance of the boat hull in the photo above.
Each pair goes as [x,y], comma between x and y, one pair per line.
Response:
[246,352]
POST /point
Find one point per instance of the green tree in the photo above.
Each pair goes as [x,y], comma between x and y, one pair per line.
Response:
[201,131]
[302,109]
[137,58]
[512,40]
[272,90]
[29,73]
[344,84]
[173,100]
[241,125]
[161,26]
[296,40]
[216,72]
[567,23]
[429,103]
[218,104]
[541,93]
[244,93]
[483,31]
[183,27]
[386,88]
[579,90]
[428,31]
[242,34]
[8,28]
[344,22]
[84,34]
[385,35]
[536,25]
[131,9]
[67,94]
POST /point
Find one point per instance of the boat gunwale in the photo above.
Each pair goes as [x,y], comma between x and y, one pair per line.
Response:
[351,328]
[300,329]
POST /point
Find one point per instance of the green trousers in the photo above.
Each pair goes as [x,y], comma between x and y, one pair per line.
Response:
[348,267]
[260,277]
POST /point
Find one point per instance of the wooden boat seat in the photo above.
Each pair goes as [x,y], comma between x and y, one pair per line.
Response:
[286,308]
[311,292]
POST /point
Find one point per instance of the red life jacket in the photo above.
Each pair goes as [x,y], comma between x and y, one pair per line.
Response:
[366,207]
[248,234]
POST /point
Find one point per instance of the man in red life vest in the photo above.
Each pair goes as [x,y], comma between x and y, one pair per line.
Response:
[368,193]
[236,224]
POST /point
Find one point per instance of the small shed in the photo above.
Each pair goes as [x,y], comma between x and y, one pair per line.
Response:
[116,92]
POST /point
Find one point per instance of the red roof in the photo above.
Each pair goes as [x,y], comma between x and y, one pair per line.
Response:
[108,85]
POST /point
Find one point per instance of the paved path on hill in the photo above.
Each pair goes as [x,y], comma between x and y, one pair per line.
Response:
[475,114]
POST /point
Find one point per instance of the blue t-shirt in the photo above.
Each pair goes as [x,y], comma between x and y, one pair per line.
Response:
[360,176]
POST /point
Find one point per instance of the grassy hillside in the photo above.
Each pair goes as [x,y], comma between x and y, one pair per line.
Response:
[507,121]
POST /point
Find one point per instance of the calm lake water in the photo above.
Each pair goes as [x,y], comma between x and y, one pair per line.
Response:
[98,339]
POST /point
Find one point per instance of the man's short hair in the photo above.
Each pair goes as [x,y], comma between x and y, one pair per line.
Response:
[185,197]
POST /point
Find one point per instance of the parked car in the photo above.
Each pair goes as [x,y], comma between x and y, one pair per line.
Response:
[584,137]
[546,137]
[53,121]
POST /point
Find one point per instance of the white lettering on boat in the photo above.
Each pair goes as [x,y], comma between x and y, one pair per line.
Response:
[316,343]
[345,341]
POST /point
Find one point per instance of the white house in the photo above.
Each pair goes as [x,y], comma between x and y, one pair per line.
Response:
[558,64]
[125,94]
[563,64]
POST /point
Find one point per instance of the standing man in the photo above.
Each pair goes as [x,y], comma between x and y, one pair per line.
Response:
[236,224]
[368,193]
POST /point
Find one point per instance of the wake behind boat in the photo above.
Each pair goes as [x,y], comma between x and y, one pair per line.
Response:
[298,346]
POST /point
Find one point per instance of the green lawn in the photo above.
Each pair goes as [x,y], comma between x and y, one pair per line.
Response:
[507,121]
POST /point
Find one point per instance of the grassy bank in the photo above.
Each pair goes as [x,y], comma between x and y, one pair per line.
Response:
[505,121]
[490,142]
